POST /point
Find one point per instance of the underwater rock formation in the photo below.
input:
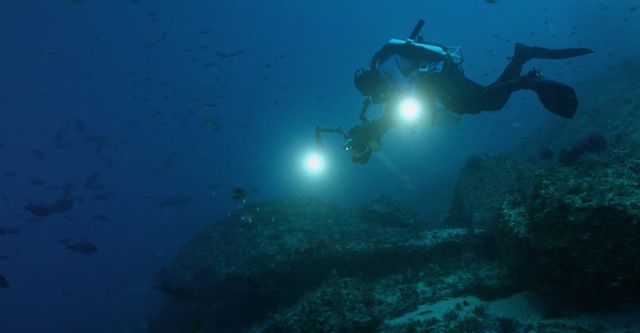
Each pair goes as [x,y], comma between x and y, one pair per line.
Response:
[386,211]
[593,143]
[578,234]
[573,237]
[481,189]
[267,256]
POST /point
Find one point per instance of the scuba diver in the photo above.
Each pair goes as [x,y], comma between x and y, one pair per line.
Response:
[433,73]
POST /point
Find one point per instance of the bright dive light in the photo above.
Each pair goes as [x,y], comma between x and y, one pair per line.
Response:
[410,109]
[314,163]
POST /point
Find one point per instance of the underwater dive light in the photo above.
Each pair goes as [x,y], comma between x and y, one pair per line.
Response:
[314,162]
[410,109]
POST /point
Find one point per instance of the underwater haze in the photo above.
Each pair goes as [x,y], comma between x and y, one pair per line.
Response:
[128,126]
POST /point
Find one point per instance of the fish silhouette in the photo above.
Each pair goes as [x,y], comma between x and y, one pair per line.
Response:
[80,126]
[91,180]
[82,248]
[176,201]
[37,182]
[62,205]
[38,154]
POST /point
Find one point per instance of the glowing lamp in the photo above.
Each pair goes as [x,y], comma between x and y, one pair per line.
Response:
[314,163]
[410,109]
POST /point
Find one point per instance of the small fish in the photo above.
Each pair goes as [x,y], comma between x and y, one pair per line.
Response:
[176,201]
[42,210]
[101,217]
[38,154]
[10,174]
[4,257]
[82,248]
[238,193]
[3,282]
[62,205]
[37,181]
[91,180]
[59,135]
[13,230]
[227,54]
[80,126]
[38,210]
[161,38]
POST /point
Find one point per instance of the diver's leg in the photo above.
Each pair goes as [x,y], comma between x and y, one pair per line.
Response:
[496,95]
[523,53]
[462,96]
[556,97]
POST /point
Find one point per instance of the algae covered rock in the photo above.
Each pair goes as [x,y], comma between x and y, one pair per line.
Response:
[386,211]
[574,239]
[482,186]
[584,229]
[268,255]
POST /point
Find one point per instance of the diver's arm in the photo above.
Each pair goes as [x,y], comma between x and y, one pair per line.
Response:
[379,126]
[392,70]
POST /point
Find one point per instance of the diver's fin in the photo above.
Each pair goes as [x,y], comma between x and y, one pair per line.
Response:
[525,53]
[557,97]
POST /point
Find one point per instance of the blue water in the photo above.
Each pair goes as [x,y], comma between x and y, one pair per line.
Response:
[196,98]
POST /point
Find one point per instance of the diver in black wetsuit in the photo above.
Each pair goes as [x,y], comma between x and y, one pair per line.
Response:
[434,73]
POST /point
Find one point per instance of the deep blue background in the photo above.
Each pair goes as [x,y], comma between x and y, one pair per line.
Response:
[144,74]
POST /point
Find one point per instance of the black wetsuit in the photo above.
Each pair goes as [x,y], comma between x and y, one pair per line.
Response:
[431,71]
[456,92]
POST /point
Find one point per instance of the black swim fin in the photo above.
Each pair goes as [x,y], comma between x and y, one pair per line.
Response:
[557,97]
[524,53]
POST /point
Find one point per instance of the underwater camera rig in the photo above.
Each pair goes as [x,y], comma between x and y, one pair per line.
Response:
[446,56]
